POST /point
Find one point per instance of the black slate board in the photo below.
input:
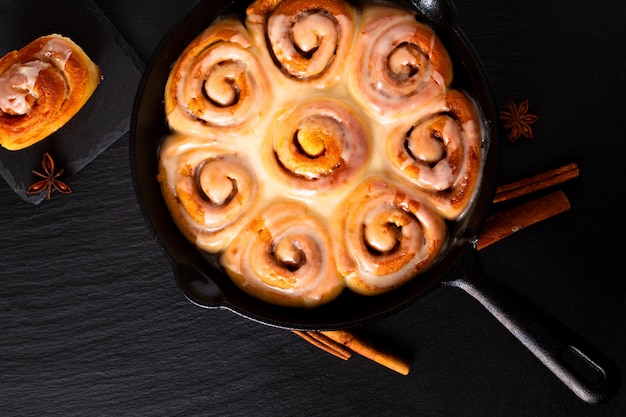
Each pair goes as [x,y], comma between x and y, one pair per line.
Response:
[105,117]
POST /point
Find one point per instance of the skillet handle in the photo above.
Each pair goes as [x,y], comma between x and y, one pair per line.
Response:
[586,372]
[197,288]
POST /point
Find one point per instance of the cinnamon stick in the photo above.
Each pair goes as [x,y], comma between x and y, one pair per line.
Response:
[509,221]
[326,344]
[363,348]
[536,183]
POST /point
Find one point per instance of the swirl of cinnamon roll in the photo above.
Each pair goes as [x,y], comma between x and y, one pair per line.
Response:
[318,146]
[307,40]
[217,83]
[386,235]
[399,66]
[441,154]
[209,190]
[42,86]
[285,257]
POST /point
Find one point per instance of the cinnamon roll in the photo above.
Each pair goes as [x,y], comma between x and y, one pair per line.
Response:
[307,40]
[284,256]
[317,146]
[399,66]
[385,235]
[209,189]
[441,154]
[42,86]
[217,85]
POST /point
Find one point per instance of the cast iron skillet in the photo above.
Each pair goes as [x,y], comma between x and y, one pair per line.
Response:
[587,373]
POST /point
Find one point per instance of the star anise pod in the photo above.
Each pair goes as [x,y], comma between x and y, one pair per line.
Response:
[517,121]
[50,179]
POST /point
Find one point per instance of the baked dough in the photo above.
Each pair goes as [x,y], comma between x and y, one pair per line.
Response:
[42,86]
[285,257]
[303,42]
[398,67]
[217,85]
[441,153]
[210,189]
[317,147]
[385,235]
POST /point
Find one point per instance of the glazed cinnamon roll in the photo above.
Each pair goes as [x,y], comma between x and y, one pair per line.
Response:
[399,66]
[385,235]
[209,189]
[217,85]
[317,146]
[307,40]
[285,257]
[42,86]
[441,154]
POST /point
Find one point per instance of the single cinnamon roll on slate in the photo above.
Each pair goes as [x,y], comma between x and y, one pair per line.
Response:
[42,86]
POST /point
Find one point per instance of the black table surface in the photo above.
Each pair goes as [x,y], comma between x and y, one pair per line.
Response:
[93,324]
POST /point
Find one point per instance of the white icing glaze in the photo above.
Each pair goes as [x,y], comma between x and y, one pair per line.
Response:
[387,234]
[285,257]
[308,48]
[17,87]
[224,175]
[56,51]
[218,83]
[315,34]
[391,73]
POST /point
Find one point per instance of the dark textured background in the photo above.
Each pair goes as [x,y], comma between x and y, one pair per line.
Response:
[92,324]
